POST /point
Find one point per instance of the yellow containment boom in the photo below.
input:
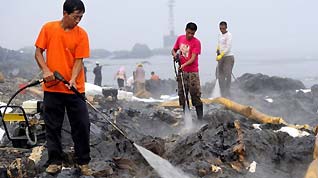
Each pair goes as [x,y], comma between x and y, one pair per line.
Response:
[316,144]
[312,171]
[246,111]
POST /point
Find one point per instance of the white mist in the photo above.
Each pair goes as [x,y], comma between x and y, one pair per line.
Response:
[163,167]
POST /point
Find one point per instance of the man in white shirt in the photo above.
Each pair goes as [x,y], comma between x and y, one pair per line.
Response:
[130,83]
[225,59]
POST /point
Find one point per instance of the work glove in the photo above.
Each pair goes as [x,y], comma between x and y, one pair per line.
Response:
[220,56]
[218,51]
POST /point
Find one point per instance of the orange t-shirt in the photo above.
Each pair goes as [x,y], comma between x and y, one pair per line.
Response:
[154,77]
[62,49]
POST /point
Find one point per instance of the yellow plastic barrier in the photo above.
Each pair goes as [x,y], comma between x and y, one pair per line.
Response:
[316,148]
[312,171]
[246,111]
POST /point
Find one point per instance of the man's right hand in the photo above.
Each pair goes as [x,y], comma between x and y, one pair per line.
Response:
[177,59]
[48,76]
[218,52]
[220,56]
[174,56]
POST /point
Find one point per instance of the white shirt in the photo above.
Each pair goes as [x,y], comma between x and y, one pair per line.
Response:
[225,43]
[130,81]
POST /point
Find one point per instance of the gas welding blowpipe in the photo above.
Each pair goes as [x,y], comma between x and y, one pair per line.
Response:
[59,77]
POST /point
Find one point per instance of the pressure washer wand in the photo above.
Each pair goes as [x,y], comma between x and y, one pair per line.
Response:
[177,60]
[59,77]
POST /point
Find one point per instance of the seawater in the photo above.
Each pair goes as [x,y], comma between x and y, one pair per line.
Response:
[163,66]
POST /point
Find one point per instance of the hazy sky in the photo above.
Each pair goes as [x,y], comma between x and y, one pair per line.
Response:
[271,27]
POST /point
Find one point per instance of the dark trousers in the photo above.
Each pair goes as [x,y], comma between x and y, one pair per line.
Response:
[98,80]
[224,69]
[55,105]
[120,83]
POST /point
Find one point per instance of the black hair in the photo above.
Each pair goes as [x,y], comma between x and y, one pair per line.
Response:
[223,23]
[73,5]
[152,72]
[191,26]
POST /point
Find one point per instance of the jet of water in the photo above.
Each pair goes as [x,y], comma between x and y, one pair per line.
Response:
[163,167]
[216,91]
[188,124]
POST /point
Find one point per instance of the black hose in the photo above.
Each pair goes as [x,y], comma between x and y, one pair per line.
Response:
[14,95]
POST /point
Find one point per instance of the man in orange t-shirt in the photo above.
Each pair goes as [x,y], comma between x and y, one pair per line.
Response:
[65,44]
[154,76]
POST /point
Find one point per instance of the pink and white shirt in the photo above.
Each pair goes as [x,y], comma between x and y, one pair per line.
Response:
[187,48]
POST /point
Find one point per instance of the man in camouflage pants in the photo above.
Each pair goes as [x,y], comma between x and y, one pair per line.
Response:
[190,48]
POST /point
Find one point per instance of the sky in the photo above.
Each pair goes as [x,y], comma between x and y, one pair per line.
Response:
[259,27]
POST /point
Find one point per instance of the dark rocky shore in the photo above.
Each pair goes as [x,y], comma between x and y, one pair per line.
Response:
[224,144]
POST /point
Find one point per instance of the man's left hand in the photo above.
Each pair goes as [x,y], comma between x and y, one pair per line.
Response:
[181,67]
[72,84]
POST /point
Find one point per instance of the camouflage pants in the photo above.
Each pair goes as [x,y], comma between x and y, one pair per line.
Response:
[191,82]
[225,67]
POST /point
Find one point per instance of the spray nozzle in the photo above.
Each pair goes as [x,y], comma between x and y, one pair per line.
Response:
[59,77]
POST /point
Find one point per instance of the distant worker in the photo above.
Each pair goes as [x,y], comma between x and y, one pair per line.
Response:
[98,74]
[225,60]
[154,76]
[154,85]
[121,77]
[190,48]
[130,84]
[139,78]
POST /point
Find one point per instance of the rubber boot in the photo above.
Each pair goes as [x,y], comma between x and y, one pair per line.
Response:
[199,110]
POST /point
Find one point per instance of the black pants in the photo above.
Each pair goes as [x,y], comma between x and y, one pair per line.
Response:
[98,81]
[55,105]
[120,83]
